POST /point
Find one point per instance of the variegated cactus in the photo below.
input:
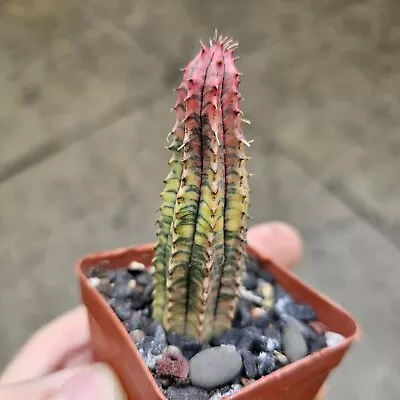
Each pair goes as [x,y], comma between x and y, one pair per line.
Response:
[200,253]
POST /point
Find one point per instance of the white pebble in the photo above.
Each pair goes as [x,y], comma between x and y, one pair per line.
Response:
[132,284]
[136,266]
[333,338]
[94,281]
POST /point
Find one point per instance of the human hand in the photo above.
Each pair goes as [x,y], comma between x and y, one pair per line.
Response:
[57,362]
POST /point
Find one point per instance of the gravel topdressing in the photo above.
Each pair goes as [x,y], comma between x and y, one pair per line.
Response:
[269,331]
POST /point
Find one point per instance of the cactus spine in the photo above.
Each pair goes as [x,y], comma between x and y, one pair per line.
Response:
[200,252]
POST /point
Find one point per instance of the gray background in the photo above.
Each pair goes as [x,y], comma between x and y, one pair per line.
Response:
[85,93]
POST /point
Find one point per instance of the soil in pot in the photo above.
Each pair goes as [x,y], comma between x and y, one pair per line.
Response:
[270,330]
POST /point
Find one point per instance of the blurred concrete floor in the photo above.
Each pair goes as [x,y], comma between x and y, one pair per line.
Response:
[85,93]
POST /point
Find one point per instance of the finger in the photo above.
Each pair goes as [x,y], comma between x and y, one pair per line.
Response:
[95,382]
[48,348]
[277,241]
[78,359]
[322,393]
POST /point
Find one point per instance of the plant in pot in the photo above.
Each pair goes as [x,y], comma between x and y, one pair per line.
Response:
[202,315]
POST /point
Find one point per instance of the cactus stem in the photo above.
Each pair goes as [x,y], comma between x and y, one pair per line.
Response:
[200,255]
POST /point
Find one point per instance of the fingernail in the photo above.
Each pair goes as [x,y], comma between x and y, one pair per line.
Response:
[98,382]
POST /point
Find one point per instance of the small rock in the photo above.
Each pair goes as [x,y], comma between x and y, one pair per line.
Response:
[135,266]
[318,327]
[132,283]
[333,338]
[246,381]
[317,344]
[243,313]
[301,311]
[307,332]
[215,366]
[123,310]
[121,290]
[226,391]
[281,304]
[294,344]
[148,294]
[163,382]
[139,321]
[250,296]
[186,393]
[257,312]
[190,348]
[229,337]
[246,341]
[262,321]
[282,359]
[99,272]
[143,279]
[150,350]
[137,335]
[146,311]
[138,299]
[157,331]
[249,364]
[172,363]
[266,289]
[172,348]
[250,282]
[266,344]
[121,276]
[105,287]
[253,267]
[188,345]
[253,330]
[274,338]
[265,363]
[94,281]
[151,360]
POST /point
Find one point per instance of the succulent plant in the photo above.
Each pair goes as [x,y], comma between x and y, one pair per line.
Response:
[200,252]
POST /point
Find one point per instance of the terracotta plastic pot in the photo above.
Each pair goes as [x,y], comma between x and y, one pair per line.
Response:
[300,380]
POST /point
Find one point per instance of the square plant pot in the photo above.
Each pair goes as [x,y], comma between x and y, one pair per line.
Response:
[300,380]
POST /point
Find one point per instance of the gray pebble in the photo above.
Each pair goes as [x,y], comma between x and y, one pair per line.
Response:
[151,351]
[231,390]
[250,282]
[294,344]
[265,363]
[249,364]
[215,366]
[186,393]
[229,337]
[123,311]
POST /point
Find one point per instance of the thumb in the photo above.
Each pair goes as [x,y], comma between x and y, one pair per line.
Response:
[94,382]
[277,241]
